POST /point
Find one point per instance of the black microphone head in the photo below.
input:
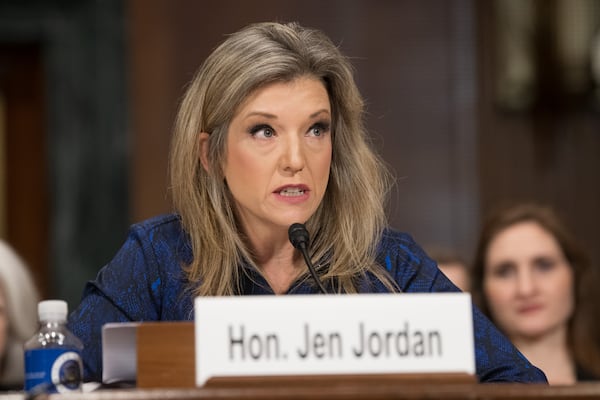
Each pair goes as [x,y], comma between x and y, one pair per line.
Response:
[298,235]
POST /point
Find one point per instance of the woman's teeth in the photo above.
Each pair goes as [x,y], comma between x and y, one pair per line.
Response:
[291,192]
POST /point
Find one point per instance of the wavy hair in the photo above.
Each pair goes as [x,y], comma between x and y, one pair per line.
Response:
[582,341]
[348,223]
[20,310]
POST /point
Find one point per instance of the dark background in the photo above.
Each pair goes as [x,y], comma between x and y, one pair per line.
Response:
[89,90]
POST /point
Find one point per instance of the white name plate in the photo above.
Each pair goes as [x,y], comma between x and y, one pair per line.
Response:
[333,334]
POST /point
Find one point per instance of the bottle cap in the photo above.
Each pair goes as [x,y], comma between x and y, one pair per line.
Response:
[53,310]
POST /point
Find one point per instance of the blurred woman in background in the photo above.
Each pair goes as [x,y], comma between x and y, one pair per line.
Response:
[18,316]
[532,279]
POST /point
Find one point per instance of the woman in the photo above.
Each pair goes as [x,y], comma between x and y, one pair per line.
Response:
[269,133]
[530,277]
[18,316]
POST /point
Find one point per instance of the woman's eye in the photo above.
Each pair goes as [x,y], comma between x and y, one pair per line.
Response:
[262,131]
[503,270]
[319,129]
[544,264]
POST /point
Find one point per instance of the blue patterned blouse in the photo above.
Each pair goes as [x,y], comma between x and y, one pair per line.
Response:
[145,282]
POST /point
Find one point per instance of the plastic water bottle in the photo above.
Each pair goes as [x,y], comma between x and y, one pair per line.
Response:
[53,355]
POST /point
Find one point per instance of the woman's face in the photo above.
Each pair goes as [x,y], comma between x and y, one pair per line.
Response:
[279,154]
[528,282]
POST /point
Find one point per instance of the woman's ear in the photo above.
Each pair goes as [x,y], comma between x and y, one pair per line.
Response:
[203,141]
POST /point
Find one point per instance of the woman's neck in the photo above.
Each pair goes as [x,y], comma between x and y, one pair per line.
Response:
[551,354]
[281,271]
[277,260]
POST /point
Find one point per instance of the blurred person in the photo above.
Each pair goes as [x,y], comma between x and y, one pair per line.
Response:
[18,316]
[533,280]
[270,133]
[453,266]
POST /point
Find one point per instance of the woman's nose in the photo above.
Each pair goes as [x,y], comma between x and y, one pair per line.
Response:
[292,157]
[525,283]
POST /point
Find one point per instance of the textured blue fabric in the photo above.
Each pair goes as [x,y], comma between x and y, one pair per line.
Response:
[145,282]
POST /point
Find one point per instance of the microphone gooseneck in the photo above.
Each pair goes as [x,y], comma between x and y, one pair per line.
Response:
[299,238]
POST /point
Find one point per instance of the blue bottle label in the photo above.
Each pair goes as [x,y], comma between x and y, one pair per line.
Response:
[53,370]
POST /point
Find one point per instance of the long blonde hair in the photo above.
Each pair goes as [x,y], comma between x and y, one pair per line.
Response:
[347,225]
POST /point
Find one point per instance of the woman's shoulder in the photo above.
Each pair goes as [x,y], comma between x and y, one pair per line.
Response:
[164,234]
[163,222]
[400,244]
[408,264]
[394,235]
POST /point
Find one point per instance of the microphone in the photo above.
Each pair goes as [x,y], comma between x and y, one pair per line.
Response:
[298,236]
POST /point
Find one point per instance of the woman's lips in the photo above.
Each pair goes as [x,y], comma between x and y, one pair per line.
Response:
[529,308]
